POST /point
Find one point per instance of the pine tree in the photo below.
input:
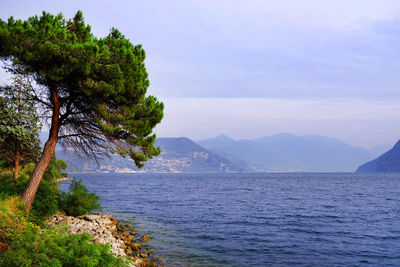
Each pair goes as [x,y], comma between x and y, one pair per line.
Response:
[93,90]
[19,124]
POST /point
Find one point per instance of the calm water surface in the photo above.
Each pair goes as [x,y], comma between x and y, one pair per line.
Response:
[260,219]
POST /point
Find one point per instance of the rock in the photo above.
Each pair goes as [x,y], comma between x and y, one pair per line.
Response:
[142,262]
[129,239]
[129,251]
[90,217]
[64,179]
[125,234]
[145,238]
[143,254]
[136,246]
[106,229]
[101,227]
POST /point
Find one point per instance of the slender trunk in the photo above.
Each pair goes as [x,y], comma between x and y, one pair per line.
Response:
[30,190]
[16,165]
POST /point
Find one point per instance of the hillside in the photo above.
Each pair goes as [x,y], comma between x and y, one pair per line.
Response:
[289,153]
[178,155]
[387,162]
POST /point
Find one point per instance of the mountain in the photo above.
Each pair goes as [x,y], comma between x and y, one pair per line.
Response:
[388,162]
[289,153]
[379,150]
[178,155]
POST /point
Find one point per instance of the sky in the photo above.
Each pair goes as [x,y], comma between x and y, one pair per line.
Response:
[256,68]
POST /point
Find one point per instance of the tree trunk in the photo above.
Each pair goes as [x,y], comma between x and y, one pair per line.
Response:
[30,190]
[16,165]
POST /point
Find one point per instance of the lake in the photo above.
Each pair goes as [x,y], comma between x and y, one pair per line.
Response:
[259,219]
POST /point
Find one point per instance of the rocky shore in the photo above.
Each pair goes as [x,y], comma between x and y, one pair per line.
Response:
[108,230]
[64,179]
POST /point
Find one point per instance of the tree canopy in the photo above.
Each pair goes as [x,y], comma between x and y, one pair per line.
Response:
[91,90]
[19,124]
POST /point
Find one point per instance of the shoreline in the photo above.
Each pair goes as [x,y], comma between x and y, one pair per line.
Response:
[106,229]
[64,179]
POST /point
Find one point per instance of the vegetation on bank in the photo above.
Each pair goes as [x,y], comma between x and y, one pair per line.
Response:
[96,104]
[24,244]
[91,91]
[25,239]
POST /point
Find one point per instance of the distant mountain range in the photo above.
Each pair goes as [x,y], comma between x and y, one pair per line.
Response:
[290,153]
[279,153]
[388,162]
[178,155]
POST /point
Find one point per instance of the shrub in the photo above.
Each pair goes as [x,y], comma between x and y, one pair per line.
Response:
[54,170]
[54,248]
[46,199]
[23,244]
[4,164]
[13,218]
[78,200]
[45,202]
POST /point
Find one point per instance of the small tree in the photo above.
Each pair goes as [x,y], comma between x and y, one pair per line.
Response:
[93,90]
[19,124]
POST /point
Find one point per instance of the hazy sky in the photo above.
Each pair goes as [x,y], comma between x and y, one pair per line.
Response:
[259,67]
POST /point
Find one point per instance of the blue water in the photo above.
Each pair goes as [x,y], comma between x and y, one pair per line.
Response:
[260,219]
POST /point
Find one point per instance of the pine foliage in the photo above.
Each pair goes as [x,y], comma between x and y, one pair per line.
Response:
[101,83]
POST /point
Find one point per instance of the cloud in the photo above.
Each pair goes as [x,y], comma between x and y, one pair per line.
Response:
[326,67]
[237,48]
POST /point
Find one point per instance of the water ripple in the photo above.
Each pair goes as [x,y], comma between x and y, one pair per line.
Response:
[260,219]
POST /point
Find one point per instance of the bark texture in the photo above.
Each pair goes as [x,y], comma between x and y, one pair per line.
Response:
[30,190]
[16,165]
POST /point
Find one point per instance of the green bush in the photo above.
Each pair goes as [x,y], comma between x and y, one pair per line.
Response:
[23,244]
[48,194]
[78,200]
[4,164]
[54,170]
[45,202]
[54,248]
[46,199]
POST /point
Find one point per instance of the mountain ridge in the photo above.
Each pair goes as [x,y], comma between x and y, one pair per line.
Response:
[285,152]
[178,155]
[387,162]
[282,152]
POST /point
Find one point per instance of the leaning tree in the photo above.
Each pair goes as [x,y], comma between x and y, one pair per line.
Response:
[92,90]
[19,124]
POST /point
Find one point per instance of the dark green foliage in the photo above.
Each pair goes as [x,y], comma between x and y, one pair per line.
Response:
[78,200]
[19,124]
[49,199]
[24,245]
[48,194]
[4,164]
[54,170]
[53,248]
[101,86]
[11,187]
[46,200]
